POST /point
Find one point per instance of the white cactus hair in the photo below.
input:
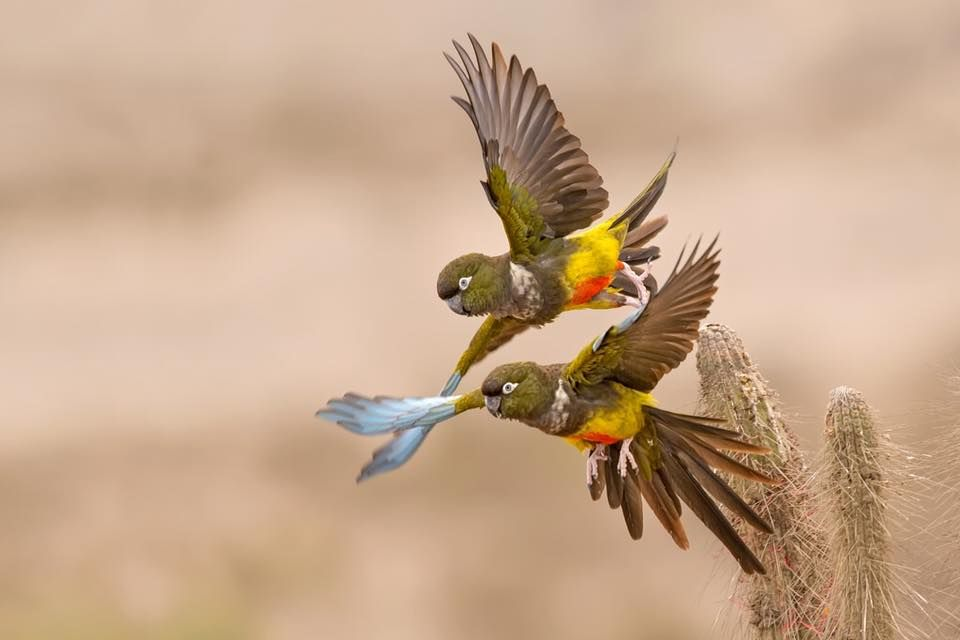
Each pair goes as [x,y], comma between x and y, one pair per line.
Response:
[869,489]
[845,560]
[943,539]
[787,603]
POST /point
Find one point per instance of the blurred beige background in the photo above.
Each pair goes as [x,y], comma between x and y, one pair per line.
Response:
[214,216]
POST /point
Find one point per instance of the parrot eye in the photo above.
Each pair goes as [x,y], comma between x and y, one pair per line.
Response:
[509,387]
[465,282]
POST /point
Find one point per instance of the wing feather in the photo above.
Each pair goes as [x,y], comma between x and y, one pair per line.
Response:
[551,188]
[640,351]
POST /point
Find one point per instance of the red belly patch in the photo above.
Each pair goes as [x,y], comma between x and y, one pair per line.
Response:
[599,438]
[588,288]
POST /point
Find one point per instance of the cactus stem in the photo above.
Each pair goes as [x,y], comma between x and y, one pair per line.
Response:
[787,604]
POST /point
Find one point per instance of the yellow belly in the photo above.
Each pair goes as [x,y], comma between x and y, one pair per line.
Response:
[624,419]
[597,254]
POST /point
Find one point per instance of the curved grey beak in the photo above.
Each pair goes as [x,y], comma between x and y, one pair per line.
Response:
[493,405]
[456,304]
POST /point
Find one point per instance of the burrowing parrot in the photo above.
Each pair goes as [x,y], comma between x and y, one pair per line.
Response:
[601,403]
[543,188]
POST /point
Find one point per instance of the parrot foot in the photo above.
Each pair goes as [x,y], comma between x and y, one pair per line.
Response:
[628,301]
[597,455]
[626,458]
[643,295]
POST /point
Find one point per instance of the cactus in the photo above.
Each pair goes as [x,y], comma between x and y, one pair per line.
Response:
[945,544]
[786,604]
[862,599]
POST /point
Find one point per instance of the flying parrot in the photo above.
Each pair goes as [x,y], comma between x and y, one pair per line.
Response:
[600,403]
[544,189]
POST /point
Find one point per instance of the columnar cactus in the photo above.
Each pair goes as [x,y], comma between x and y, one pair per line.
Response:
[861,603]
[946,547]
[787,603]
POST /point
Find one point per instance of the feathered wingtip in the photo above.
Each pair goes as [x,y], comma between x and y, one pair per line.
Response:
[707,260]
[637,211]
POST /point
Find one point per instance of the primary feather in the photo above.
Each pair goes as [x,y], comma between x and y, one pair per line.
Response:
[539,180]
[639,354]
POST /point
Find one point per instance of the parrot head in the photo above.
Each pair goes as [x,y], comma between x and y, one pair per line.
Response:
[472,285]
[518,391]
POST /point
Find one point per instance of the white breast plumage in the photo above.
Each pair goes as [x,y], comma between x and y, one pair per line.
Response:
[525,291]
[559,411]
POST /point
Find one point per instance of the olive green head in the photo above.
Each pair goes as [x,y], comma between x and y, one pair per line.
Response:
[518,391]
[472,285]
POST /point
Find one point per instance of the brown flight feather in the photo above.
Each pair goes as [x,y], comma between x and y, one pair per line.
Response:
[521,130]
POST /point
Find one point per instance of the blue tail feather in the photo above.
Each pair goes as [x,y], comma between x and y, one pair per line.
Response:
[376,416]
[395,453]
[408,419]
[452,384]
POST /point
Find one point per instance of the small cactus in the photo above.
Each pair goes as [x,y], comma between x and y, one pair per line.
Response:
[787,603]
[861,603]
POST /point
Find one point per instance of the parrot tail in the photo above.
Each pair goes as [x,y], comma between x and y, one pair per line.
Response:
[635,250]
[408,419]
[690,450]
[394,453]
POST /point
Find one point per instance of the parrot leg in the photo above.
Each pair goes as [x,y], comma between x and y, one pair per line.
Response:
[597,455]
[643,296]
[626,458]
[610,300]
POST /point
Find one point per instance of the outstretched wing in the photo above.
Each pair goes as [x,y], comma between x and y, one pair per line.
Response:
[642,350]
[539,180]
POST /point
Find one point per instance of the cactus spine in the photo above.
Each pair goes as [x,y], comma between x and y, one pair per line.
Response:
[861,601]
[787,603]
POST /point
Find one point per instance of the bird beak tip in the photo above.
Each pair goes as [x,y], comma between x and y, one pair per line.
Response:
[456,305]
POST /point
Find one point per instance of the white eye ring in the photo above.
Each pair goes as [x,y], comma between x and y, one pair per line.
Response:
[508,388]
[465,282]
